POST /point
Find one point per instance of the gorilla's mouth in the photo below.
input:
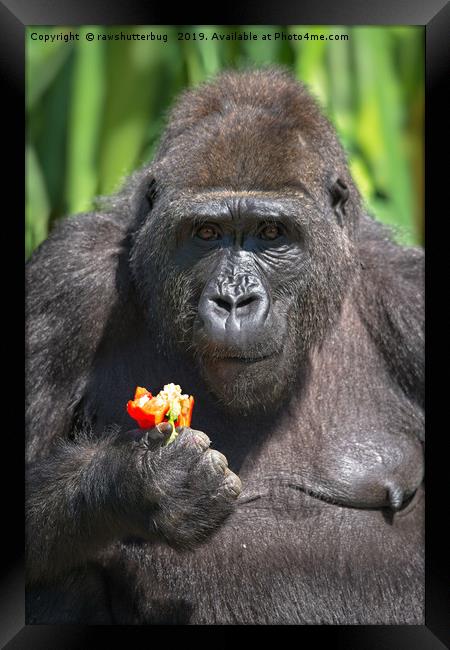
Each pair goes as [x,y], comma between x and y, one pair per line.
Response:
[228,368]
[246,360]
[230,351]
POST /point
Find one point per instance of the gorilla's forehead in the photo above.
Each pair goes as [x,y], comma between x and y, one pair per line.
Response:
[244,151]
[239,205]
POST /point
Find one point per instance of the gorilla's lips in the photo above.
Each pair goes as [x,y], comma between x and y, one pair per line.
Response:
[227,368]
[243,344]
[238,359]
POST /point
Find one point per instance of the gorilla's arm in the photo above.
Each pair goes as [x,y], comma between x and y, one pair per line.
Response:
[84,493]
[76,503]
[72,287]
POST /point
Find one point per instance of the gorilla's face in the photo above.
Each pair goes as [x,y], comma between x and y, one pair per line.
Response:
[248,283]
[238,244]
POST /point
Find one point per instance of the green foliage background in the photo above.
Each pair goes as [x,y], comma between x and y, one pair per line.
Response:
[95,110]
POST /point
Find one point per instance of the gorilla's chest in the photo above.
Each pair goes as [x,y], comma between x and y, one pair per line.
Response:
[285,558]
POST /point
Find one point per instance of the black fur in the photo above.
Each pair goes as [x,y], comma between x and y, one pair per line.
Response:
[241,265]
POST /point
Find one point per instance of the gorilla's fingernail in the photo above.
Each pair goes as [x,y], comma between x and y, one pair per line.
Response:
[395,495]
[219,461]
[201,439]
[223,458]
[164,427]
[233,484]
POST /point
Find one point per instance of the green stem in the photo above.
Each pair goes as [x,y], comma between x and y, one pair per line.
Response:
[174,434]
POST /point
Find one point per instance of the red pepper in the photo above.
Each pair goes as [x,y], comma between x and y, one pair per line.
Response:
[185,417]
[151,412]
[140,392]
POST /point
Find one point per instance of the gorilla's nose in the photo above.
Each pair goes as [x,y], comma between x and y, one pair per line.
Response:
[234,308]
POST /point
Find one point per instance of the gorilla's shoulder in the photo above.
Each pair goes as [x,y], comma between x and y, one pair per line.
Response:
[74,273]
[81,234]
[391,296]
[379,252]
[78,245]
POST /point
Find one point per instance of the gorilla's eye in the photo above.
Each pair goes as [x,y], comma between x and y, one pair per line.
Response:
[207,232]
[270,232]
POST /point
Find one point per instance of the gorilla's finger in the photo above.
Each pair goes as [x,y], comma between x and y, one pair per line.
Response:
[151,438]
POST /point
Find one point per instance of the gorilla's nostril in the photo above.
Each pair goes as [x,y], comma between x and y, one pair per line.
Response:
[245,302]
[223,304]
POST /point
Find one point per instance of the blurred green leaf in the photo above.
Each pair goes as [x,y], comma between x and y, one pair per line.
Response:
[131,102]
[86,116]
[50,138]
[263,52]
[379,119]
[43,62]
[208,50]
[36,203]
[310,62]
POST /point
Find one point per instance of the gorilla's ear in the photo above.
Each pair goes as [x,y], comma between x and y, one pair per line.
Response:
[339,196]
[150,194]
[147,198]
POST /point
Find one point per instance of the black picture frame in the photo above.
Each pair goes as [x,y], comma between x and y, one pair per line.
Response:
[15,15]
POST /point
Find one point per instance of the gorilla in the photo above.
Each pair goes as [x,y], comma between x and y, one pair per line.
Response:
[240,264]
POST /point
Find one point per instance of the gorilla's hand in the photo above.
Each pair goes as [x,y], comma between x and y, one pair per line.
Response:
[178,493]
[85,495]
